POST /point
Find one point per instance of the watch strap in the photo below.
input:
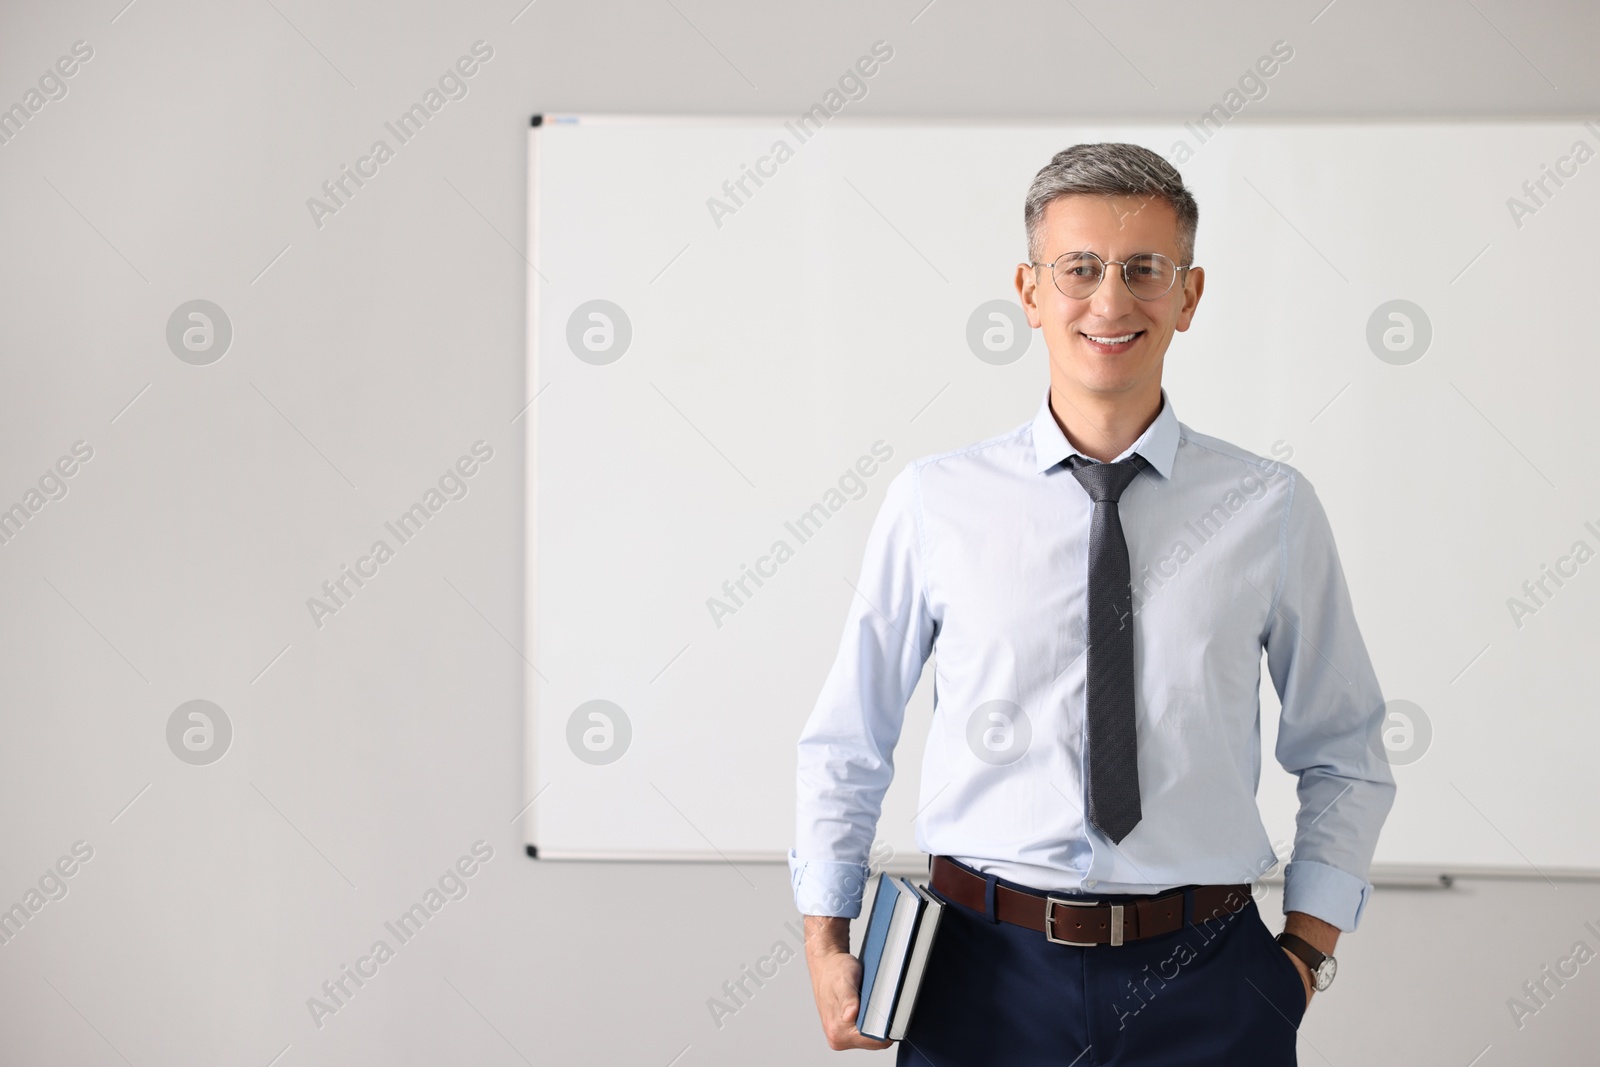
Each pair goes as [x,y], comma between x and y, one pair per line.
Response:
[1309,954]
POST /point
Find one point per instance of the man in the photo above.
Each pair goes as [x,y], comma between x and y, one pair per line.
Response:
[1099,585]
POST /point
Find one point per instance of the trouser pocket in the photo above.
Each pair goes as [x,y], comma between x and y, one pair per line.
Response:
[1284,986]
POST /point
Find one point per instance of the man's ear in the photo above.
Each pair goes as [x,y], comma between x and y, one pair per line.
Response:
[1193,285]
[1028,291]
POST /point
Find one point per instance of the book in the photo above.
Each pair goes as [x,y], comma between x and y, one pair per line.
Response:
[873,941]
[894,946]
[927,926]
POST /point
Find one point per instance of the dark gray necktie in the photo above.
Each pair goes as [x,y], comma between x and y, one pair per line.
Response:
[1113,740]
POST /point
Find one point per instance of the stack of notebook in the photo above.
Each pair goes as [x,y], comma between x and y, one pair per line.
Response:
[901,923]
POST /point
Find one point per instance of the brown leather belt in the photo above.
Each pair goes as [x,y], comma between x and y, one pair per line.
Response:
[1068,921]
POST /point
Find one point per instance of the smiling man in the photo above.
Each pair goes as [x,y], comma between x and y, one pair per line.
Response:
[1099,585]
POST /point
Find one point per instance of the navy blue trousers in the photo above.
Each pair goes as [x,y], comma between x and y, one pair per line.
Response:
[1220,992]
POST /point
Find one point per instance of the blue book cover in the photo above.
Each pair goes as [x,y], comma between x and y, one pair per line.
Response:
[873,940]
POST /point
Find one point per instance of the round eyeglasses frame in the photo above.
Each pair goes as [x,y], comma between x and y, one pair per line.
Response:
[1122,264]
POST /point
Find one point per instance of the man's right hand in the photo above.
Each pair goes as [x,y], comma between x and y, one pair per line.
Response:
[836,982]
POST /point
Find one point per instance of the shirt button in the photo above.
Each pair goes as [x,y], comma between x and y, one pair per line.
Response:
[1091,883]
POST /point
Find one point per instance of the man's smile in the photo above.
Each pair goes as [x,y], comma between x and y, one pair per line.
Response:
[1112,343]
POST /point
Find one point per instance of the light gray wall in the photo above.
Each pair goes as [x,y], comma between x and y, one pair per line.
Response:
[368,354]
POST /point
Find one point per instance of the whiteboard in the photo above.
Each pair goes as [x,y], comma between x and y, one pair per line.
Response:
[701,375]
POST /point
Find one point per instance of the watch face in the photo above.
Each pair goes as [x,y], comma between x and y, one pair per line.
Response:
[1324,974]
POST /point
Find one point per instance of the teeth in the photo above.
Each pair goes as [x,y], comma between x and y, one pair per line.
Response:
[1112,340]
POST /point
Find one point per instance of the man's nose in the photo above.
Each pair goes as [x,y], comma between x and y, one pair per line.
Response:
[1112,295]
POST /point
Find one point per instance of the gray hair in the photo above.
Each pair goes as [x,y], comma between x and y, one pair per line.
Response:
[1110,169]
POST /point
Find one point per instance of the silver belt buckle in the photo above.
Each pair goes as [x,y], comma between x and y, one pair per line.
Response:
[1050,921]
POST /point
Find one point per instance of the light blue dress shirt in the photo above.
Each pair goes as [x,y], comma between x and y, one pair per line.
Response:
[981,555]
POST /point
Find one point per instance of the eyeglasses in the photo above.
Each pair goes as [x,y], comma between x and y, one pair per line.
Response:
[1148,275]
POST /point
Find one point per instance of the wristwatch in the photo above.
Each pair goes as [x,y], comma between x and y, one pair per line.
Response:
[1323,966]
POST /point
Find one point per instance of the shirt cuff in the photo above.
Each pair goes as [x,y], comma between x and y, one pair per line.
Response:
[1329,894]
[827,887]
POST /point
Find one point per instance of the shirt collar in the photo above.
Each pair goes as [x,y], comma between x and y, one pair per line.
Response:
[1158,444]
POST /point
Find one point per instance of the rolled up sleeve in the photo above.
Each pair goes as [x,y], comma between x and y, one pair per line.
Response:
[1329,735]
[846,750]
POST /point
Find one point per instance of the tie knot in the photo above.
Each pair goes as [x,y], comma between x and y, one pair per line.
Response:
[1105,482]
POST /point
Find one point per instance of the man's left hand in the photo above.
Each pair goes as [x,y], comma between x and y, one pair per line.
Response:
[1305,973]
[1322,934]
